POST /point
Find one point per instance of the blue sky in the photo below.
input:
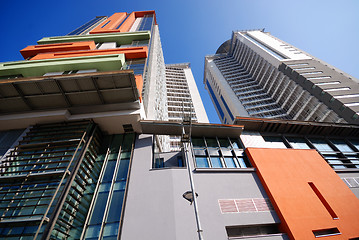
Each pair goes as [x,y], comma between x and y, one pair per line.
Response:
[191,29]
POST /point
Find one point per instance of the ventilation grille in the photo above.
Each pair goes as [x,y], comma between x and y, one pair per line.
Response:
[245,205]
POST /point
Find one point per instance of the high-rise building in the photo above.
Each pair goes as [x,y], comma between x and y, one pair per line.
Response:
[183,98]
[83,133]
[258,75]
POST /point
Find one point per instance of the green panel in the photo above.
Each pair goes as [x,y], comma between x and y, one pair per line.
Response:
[33,68]
[119,38]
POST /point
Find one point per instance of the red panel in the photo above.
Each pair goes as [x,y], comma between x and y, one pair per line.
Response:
[287,176]
[31,51]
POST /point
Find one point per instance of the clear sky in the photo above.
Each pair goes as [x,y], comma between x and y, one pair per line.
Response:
[191,29]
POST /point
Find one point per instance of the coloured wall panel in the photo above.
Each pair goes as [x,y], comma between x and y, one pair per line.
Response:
[307,194]
[31,51]
[130,53]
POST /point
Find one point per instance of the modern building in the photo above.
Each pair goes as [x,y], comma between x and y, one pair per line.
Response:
[83,154]
[258,75]
[183,98]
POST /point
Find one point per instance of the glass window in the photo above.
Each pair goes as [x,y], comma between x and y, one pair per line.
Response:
[341,145]
[93,231]
[212,142]
[202,162]
[224,143]
[114,213]
[298,143]
[159,163]
[216,162]
[355,143]
[276,142]
[230,162]
[321,145]
[198,142]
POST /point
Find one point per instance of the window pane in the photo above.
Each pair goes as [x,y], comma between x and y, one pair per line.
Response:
[235,143]
[298,143]
[198,142]
[276,142]
[224,143]
[230,162]
[202,162]
[216,162]
[321,145]
[342,146]
[211,142]
[93,231]
[355,143]
[114,213]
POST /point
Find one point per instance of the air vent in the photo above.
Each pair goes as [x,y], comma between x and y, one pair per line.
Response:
[245,205]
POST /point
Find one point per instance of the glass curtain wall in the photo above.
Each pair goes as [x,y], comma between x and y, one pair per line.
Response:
[105,217]
[36,174]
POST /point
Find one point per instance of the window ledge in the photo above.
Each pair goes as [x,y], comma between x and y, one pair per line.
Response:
[224,169]
[167,168]
[346,170]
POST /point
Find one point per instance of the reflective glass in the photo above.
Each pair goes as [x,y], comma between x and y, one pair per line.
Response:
[114,213]
[321,145]
[355,143]
[235,143]
[341,145]
[198,142]
[224,143]
[93,231]
[110,168]
[298,143]
[276,142]
[216,162]
[230,162]
[122,170]
[211,142]
[99,208]
[202,162]
[111,229]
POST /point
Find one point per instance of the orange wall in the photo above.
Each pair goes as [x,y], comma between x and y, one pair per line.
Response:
[139,84]
[286,174]
[116,19]
[31,51]
[110,24]
[130,53]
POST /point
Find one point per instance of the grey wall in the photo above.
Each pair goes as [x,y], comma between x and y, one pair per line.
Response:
[155,208]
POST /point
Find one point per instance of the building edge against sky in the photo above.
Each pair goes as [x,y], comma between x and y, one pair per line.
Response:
[80,160]
[256,74]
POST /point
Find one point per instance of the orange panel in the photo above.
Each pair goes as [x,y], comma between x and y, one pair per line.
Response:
[31,51]
[126,26]
[110,24]
[130,53]
[139,84]
[306,193]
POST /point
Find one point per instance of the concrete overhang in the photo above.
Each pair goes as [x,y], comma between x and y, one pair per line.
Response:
[110,99]
[297,127]
[198,129]
[67,91]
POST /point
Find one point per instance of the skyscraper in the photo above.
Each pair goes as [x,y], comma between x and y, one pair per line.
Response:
[256,74]
[84,129]
[183,98]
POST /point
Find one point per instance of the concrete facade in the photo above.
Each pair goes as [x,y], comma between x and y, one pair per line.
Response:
[269,78]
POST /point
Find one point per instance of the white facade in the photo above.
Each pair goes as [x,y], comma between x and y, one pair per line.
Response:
[183,98]
[255,74]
